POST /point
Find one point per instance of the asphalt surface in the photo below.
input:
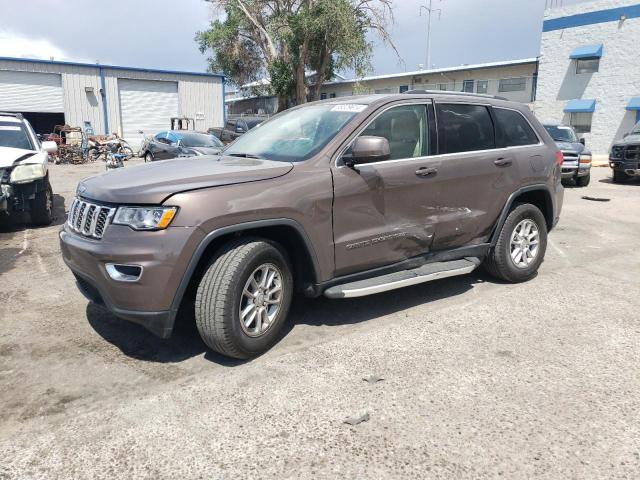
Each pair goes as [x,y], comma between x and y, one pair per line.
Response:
[479,379]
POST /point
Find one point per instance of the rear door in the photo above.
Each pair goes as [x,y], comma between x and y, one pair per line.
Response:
[383,211]
[475,175]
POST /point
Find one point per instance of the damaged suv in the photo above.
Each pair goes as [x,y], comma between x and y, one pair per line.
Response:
[24,171]
[343,198]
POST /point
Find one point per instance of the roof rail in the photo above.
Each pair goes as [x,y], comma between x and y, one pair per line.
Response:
[452,92]
[11,114]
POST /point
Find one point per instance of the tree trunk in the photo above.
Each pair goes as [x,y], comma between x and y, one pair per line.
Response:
[321,74]
[301,81]
[282,103]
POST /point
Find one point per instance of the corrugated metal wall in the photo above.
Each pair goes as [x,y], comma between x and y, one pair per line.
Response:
[200,97]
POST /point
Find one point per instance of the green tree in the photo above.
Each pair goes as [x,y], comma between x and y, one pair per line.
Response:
[284,39]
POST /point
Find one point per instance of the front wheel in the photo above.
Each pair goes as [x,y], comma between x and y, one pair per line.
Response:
[583,181]
[619,177]
[42,205]
[148,157]
[243,298]
[521,245]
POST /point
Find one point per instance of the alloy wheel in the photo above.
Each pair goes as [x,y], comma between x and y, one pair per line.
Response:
[525,243]
[261,300]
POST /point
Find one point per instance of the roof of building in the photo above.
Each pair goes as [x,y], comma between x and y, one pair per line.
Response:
[476,66]
[112,67]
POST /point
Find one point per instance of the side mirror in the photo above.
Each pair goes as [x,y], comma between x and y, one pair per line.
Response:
[368,149]
[49,147]
[582,141]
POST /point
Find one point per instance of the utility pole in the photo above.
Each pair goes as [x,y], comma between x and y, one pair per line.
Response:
[430,10]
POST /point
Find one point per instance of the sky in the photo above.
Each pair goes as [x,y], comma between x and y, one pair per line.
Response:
[160,33]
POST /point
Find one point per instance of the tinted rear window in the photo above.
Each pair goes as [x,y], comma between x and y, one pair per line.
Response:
[464,128]
[515,128]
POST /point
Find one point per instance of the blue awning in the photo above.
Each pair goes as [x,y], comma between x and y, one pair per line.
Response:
[634,104]
[579,106]
[587,51]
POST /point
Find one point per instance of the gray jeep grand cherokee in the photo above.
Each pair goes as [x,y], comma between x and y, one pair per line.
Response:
[343,198]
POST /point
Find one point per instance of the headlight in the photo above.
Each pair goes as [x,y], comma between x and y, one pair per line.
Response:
[145,218]
[585,158]
[27,173]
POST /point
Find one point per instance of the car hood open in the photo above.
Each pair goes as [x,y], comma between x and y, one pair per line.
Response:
[152,183]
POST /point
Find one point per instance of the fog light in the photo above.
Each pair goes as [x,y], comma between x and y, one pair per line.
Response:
[124,273]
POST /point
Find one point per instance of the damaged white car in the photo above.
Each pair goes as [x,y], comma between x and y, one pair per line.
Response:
[24,171]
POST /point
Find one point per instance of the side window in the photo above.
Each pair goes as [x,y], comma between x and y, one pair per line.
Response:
[515,128]
[406,129]
[160,136]
[464,128]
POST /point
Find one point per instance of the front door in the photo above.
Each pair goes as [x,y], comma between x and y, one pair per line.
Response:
[383,211]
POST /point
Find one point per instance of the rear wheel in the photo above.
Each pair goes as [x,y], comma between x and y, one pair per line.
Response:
[521,245]
[243,298]
[128,151]
[42,205]
[583,181]
[619,177]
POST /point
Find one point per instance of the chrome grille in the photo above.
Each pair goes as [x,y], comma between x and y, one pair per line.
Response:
[570,156]
[89,219]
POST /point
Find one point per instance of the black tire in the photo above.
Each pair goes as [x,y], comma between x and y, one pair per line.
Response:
[583,181]
[619,177]
[148,157]
[42,205]
[220,293]
[499,263]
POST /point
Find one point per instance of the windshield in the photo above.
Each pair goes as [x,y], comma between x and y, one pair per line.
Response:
[199,140]
[560,133]
[635,130]
[295,135]
[14,135]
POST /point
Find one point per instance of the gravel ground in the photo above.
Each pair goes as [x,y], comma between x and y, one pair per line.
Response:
[479,379]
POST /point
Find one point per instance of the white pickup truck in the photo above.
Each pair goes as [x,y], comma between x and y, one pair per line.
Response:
[24,171]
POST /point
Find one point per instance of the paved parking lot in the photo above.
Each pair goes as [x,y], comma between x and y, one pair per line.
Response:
[480,379]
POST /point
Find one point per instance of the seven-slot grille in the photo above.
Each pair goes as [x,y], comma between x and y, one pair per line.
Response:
[89,219]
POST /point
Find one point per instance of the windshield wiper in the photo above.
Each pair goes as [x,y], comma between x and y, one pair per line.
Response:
[244,155]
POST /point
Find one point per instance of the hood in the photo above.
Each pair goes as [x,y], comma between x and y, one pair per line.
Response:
[629,140]
[576,147]
[9,156]
[201,150]
[151,183]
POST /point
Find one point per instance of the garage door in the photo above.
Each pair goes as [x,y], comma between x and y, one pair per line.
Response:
[146,105]
[30,92]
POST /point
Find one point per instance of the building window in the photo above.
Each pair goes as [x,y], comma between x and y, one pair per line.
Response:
[442,86]
[587,65]
[581,121]
[482,86]
[323,96]
[404,88]
[512,84]
[467,86]
[332,95]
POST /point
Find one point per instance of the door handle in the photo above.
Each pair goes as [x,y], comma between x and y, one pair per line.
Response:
[503,162]
[426,171]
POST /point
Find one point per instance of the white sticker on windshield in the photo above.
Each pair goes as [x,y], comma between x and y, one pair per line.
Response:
[564,128]
[9,127]
[349,107]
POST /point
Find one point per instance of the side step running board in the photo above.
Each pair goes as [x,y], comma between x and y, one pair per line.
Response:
[391,281]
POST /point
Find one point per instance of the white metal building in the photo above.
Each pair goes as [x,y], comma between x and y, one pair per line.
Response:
[589,70]
[108,98]
[512,79]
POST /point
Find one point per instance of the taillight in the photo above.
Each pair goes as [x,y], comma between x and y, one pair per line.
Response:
[559,158]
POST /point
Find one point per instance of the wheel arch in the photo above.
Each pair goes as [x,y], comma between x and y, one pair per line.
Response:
[287,233]
[538,195]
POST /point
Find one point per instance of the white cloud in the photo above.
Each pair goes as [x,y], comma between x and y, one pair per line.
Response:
[12,45]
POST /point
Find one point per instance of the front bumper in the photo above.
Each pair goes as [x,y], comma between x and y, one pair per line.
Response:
[575,169]
[630,167]
[149,301]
